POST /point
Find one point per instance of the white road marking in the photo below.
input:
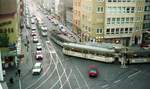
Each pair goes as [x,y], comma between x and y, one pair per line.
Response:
[117,81]
[66,80]
[65,71]
[77,81]
[134,74]
[82,77]
[106,85]
[62,67]
[20,87]
[55,65]
[57,81]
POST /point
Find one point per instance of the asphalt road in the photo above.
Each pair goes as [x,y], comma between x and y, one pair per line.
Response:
[66,72]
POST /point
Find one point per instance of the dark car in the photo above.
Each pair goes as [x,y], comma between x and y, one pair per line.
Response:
[92,71]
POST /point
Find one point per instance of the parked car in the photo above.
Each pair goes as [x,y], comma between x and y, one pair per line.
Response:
[33,33]
[35,39]
[39,55]
[37,68]
[39,46]
[92,71]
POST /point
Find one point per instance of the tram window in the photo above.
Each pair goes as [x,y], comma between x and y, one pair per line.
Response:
[85,51]
[75,50]
[92,52]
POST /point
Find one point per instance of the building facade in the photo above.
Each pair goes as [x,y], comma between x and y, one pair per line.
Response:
[9,27]
[115,21]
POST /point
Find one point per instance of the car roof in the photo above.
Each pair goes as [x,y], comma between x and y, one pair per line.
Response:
[37,64]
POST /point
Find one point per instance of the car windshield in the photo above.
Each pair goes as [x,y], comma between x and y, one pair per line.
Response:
[93,70]
[36,67]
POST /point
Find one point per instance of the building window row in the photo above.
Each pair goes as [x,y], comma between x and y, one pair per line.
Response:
[146,25]
[147,17]
[147,0]
[125,20]
[100,10]
[100,0]
[119,30]
[120,10]
[7,30]
[99,30]
[121,0]
[147,8]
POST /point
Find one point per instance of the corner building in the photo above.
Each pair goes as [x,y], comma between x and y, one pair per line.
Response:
[113,21]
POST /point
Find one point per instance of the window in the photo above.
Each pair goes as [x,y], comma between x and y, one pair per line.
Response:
[131,19]
[130,30]
[98,30]
[128,10]
[118,20]
[122,20]
[112,31]
[108,20]
[113,20]
[108,31]
[127,20]
[100,9]
[126,30]
[109,1]
[132,9]
[121,30]
[117,30]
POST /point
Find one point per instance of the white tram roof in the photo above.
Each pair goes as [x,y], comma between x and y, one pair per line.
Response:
[89,47]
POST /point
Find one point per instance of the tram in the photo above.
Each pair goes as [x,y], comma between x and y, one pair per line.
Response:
[107,55]
[137,55]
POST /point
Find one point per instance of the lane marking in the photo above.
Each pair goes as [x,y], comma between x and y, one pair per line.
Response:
[20,86]
[66,80]
[134,74]
[82,77]
[117,81]
[59,76]
[57,81]
[77,81]
[62,66]
[106,85]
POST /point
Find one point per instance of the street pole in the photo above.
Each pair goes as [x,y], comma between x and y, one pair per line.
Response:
[1,69]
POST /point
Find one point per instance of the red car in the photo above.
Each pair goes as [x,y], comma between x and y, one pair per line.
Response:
[92,71]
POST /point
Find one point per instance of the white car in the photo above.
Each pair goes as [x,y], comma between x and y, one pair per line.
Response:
[39,46]
[37,68]
[33,33]
[44,33]
[35,39]
[39,55]
[33,26]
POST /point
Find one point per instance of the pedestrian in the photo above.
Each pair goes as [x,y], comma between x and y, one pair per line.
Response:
[19,72]
[11,80]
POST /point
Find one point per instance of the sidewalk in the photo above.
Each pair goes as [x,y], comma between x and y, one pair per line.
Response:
[25,66]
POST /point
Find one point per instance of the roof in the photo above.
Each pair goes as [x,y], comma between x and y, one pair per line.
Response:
[37,64]
[88,47]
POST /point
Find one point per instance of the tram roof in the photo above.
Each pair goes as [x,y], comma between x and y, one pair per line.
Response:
[88,47]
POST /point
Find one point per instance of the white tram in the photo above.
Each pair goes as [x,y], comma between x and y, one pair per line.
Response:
[90,52]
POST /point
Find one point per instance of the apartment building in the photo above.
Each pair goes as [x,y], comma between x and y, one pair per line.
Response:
[115,21]
[9,26]
[146,26]
[76,16]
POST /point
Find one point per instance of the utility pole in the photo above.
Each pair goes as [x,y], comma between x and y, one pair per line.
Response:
[1,69]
